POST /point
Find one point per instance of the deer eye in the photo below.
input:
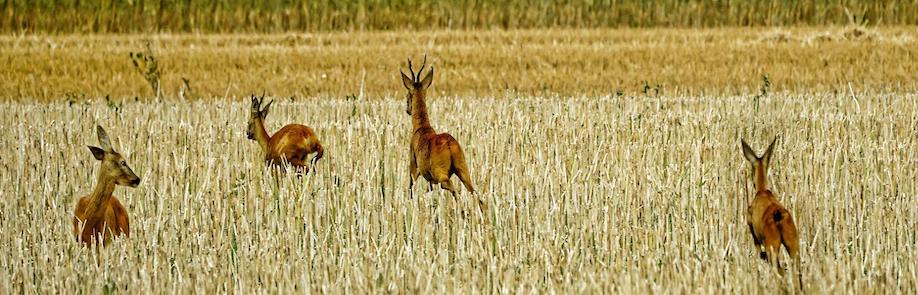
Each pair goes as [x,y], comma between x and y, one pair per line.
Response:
[123,163]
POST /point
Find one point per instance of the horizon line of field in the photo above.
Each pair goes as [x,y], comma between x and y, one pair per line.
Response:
[842,91]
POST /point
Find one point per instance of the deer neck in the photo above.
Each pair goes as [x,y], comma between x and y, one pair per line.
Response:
[261,135]
[760,183]
[419,117]
[100,196]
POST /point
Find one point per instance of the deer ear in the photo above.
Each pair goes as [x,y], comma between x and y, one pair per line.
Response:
[406,81]
[748,153]
[771,147]
[103,139]
[97,152]
[428,79]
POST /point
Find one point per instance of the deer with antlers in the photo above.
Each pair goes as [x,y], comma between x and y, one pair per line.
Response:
[292,143]
[100,213]
[435,156]
[770,224]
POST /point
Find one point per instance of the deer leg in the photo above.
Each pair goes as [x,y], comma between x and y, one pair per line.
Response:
[76,228]
[448,185]
[758,243]
[300,171]
[773,253]
[412,171]
[411,186]
[300,166]
[412,177]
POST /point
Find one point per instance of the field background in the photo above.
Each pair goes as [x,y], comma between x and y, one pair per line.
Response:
[145,16]
[491,63]
[604,135]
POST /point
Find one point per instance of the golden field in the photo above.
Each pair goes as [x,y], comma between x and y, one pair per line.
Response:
[631,194]
[469,63]
[610,160]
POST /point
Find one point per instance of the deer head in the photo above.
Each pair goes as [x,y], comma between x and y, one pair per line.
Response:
[257,117]
[113,164]
[759,164]
[415,85]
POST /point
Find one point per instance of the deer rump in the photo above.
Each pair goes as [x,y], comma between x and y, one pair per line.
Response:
[292,143]
[439,154]
[773,226]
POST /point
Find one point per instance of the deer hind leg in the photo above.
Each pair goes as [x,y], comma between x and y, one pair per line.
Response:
[460,168]
[467,181]
[448,185]
[440,173]
[773,247]
[76,228]
[300,170]
[412,175]
[791,242]
[300,165]
[465,178]
[758,243]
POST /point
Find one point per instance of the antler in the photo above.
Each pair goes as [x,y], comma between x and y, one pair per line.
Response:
[413,77]
[255,103]
[267,105]
[417,78]
[421,71]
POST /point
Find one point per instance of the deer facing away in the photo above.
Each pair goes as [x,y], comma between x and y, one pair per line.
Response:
[770,224]
[100,212]
[434,156]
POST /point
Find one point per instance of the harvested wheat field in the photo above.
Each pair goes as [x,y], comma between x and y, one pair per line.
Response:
[477,63]
[628,194]
[603,136]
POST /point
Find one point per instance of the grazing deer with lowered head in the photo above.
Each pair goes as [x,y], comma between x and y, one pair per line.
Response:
[770,224]
[292,143]
[435,156]
[100,213]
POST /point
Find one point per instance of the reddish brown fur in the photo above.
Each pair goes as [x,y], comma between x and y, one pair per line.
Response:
[112,220]
[434,156]
[770,224]
[292,143]
[100,213]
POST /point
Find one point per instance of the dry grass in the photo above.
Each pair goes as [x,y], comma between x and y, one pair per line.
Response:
[67,17]
[469,63]
[633,194]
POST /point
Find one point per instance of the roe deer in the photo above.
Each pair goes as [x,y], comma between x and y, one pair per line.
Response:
[770,223]
[100,212]
[292,143]
[435,156]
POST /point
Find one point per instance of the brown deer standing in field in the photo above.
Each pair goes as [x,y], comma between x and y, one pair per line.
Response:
[292,143]
[100,212]
[770,224]
[435,156]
